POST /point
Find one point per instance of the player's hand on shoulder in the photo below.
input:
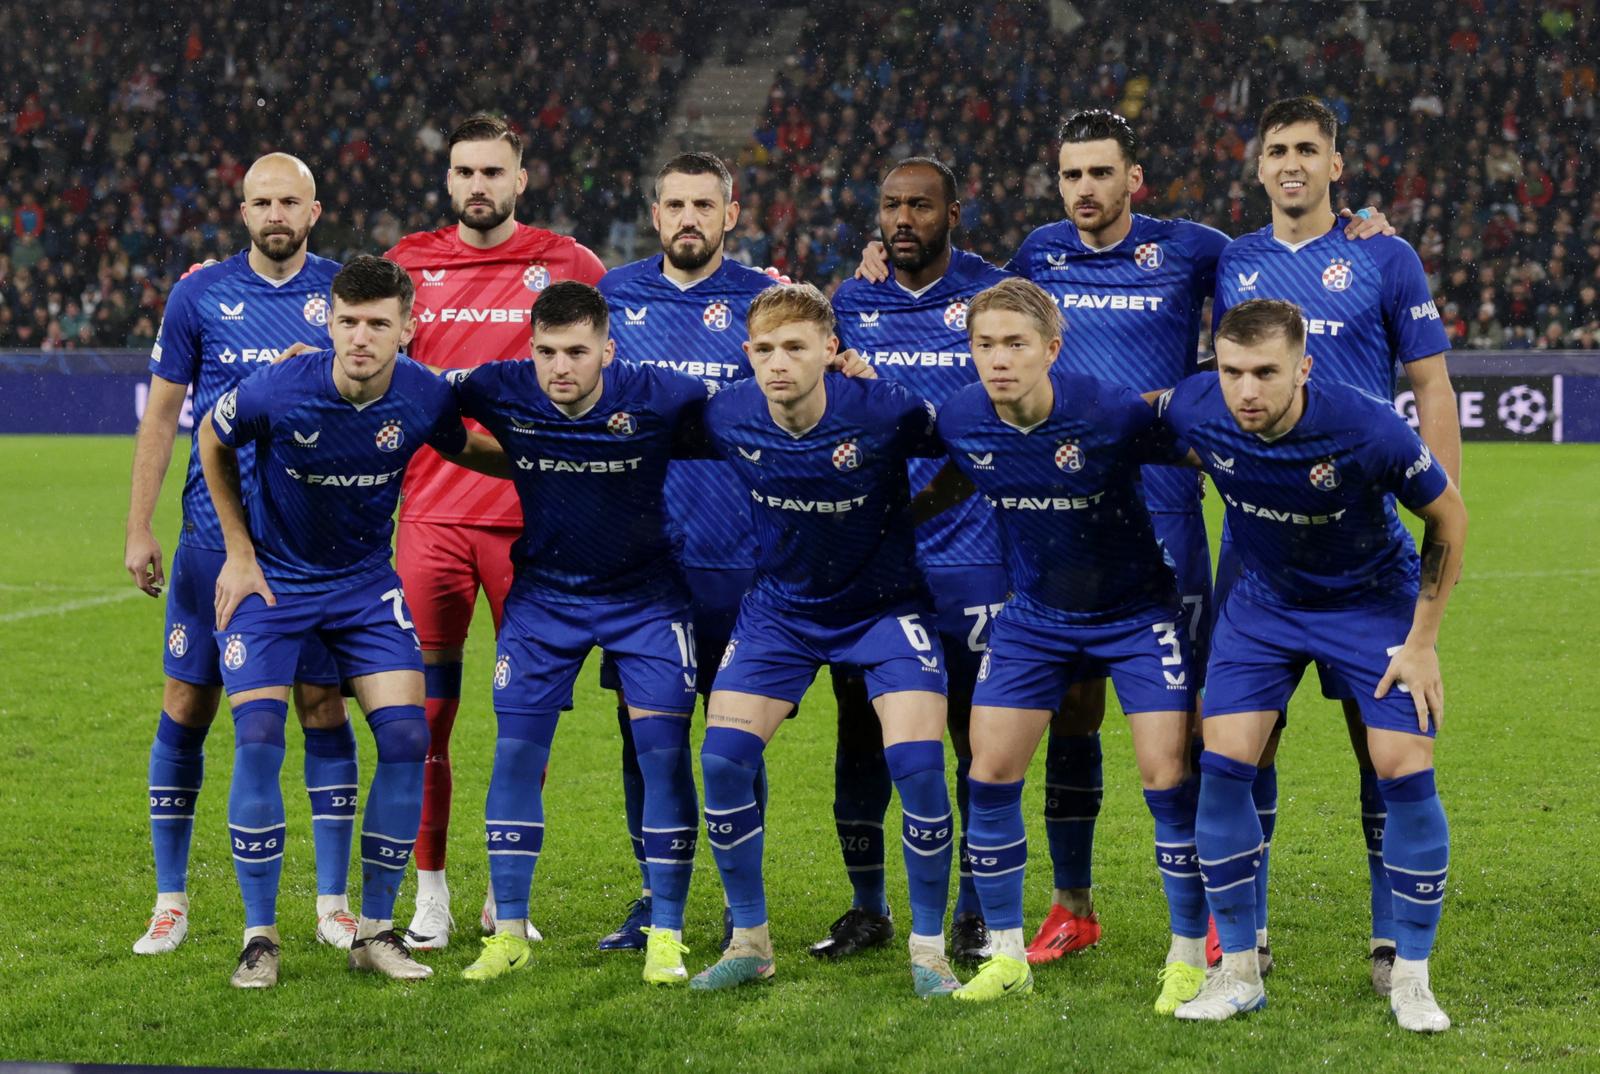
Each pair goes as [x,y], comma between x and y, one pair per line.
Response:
[851,364]
[777,274]
[1366,224]
[874,267]
[141,555]
[1415,668]
[197,266]
[294,350]
[237,580]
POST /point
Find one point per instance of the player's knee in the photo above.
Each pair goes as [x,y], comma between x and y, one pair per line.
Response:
[906,759]
[662,732]
[259,723]
[728,759]
[190,704]
[401,734]
[1161,773]
[320,707]
[537,728]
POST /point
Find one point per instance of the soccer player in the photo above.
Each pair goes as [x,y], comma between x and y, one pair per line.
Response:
[912,328]
[475,282]
[1368,311]
[332,432]
[684,309]
[590,439]
[1058,455]
[221,324]
[836,582]
[1308,469]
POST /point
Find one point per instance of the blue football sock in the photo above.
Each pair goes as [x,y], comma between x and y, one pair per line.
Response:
[728,762]
[177,769]
[998,841]
[927,829]
[861,792]
[331,784]
[633,793]
[1072,791]
[1416,853]
[1176,858]
[967,901]
[1228,840]
[671,813]
[1264,792]
[513,814]
[255,806]
[1373,817]
[394,805]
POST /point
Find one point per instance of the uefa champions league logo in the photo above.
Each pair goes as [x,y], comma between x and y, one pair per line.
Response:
[1069,456]
[1148,256]
[316,310]
[502,672]
[847,456]
[1324,475]
[234,653]
[390,436]
[621,424]
[536,277]
[727,655]
[178,641]
[717,316]
[983,666]
[955,316]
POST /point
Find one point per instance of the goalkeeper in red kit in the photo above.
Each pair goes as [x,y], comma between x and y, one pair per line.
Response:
[475,285]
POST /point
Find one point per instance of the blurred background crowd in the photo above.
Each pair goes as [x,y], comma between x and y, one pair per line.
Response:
[126,127]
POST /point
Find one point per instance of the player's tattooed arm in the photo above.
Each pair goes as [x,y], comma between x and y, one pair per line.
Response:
[1415,665]
[949,487]
[240,575]
[484,454]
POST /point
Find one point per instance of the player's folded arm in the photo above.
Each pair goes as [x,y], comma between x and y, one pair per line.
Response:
[482,453]
[949,487]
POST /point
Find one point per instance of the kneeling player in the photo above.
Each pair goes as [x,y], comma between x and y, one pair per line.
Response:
[594,567]
[332,433]
[836,583]
[1307,471]
[1058,455]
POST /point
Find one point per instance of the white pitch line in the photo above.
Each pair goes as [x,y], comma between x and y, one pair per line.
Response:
[70,606]
[1491,576]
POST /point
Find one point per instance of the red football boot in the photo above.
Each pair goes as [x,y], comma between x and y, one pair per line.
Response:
[1062,933]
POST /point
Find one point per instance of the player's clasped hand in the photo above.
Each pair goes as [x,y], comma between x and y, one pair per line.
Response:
[142,556]
[851,364]
[294,350]
[1415,668]
[236,581]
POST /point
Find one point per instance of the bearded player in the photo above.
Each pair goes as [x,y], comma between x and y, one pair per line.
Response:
[475,284]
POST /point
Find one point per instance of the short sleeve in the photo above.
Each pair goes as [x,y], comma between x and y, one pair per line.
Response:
[1018,265]
[176,353]
[1409,468]
[1409,314]
[917,431]
[1153,441]
[471,387]
[241,415]
[586,267]
[1206,245]
[1223,299]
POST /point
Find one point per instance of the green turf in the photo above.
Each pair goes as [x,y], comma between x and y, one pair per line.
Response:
[1518,965]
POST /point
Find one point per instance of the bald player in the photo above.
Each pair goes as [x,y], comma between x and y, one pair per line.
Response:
[222,323]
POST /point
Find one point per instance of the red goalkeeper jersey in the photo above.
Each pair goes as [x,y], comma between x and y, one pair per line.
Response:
[473,307]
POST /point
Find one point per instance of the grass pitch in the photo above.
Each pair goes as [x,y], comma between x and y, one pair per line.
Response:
[1518,963]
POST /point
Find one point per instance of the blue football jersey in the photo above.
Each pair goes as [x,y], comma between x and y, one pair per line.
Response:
[1078,539]
[327,471]
[1312,513]
[834,536]
[920,339]
[1366,302]
[594,517]
[698,330]
[222,324]
[1132,313]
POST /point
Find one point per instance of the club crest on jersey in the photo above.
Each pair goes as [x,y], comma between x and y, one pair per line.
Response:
[315,310]
[636,316]
[233,652]
[983,666]
[536,277]
[390,437]
[847,456]
[621,424]
[502,672]
[433,277]
[178,640]
[869,320]
[1324,475]
[228,406]
[727,655]
[1069,456]
[955,316]
[1338,275]
[1148,256]
[232,313]
[717,316]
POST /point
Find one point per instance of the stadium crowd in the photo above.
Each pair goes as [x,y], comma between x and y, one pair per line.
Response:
[124,130]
